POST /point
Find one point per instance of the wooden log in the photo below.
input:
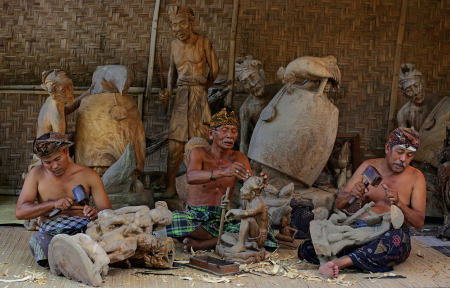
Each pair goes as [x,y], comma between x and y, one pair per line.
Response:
[229,99]
[151,56]
[398,54]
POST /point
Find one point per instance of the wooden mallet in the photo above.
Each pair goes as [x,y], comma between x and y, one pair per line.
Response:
[371,177]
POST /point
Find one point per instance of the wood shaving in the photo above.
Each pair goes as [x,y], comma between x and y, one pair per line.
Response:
[186,278]
[217,280]
[28,276]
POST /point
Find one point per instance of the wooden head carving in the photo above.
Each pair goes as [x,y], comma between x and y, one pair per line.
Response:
[252,187]
[191,144]
[250,74]
[411,82]
[182,21]
[58,84]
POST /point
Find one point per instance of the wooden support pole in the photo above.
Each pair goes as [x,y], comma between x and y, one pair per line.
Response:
[229,99]
[398,55]
[151,56]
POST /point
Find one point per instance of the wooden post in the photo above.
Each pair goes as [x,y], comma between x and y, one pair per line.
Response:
[151,56]
[229,99]
[398,54]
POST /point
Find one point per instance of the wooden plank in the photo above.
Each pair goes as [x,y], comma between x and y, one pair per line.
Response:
[234,21]
[398,55]
[151,56]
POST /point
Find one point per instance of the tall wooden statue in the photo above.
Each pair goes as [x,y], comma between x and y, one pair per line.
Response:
[251,77]
[189,55]
[414,112]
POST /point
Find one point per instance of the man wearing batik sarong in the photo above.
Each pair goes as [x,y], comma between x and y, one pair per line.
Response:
[51,184]
[209,173]
[190,54]
[403,186]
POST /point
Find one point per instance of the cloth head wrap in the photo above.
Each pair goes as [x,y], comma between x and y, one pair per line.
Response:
[247,67]
[223,118]
[50,144]
[408,76]
[182,11]
[406,138]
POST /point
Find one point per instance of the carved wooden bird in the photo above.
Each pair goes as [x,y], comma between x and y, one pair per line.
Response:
[311,68]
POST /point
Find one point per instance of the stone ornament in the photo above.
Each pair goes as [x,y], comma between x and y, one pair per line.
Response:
[247,246]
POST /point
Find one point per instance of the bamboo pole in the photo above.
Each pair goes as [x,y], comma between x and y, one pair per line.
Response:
[151,56]
[398,54]
[28,89]
[229,99]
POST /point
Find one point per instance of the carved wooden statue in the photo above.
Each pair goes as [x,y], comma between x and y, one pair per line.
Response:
[52,117]
[312,68]
[414,112]
[123,234]
[286,237]
[295,134]
[107,120]
[444,176]
[189,55]
[251,77]
[278,202]
[254,218]
[329,237]
[340,164]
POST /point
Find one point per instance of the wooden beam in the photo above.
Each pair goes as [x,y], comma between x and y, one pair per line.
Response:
[398,55]
[229,99]
[151,56]
[27,90]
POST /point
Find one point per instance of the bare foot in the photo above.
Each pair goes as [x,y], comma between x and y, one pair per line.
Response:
[198,244]
[236,249]
[329,270]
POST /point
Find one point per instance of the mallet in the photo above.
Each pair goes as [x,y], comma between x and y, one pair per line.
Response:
[371,177]
[80,196]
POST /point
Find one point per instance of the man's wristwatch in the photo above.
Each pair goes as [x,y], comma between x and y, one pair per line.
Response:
[212,178]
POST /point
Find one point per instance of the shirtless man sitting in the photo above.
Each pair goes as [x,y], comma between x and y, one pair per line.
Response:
[209,173]
[51,185]
[403,186]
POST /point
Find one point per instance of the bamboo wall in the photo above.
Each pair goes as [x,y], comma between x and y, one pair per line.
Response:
[79,35]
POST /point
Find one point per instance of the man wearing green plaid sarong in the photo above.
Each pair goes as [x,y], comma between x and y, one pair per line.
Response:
[210,171]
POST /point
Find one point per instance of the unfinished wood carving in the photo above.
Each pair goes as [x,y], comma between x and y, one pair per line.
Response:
[78,258]
[251,77]
[414,112]
[127,233]
[190,54]
[107,120]
[247,246]
[298,141]
[286,237]
[312,68]
[340,164]
[278,202]
[329,237]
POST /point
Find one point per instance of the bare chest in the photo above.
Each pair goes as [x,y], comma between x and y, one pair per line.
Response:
[54,189]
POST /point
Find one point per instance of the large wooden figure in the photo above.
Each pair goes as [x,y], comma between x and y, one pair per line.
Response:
[414,112]
[189,55]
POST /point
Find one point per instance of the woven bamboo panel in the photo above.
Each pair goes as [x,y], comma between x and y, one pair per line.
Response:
[427,45]
[362,35]
[18,117]
[37,35]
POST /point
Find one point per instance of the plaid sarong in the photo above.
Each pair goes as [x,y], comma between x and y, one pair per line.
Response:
[392,248]
[64,224]
[185,222]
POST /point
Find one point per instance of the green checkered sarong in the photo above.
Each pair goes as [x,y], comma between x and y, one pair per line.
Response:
[186,222]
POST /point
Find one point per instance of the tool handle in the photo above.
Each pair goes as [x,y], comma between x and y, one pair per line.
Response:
[366,183]
[55,212]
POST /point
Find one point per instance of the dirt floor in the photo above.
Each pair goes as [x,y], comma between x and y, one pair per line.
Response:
[282,270]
